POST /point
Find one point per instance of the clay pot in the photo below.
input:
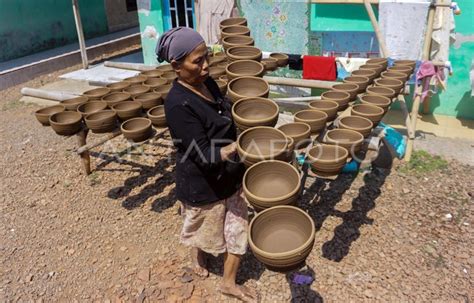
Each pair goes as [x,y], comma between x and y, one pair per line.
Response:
[128,109]
[270,64]
[163,90]
[282,59]
[164,67]
[350,88]
[153,83]
[215,72]
[281,237]
[261,143]
[115,98]
[149,100]
[96,93]
[169,76]
[378,61]
[244,53]
[254,111]
[42,115]
[290,149]
[340,97]
[393,75]
[359,80]
[237,40]
[66,123]
[377,68]
[314,118]
[224,78]
[136,90]
[410,63]
[371,112]
[232,22]
[244,87]
[216,60]
[242,68]
[381,91]
[271,183]
[72,104]
[137,129]
[102,121]
[394,84]
[377,100]
[403,69]
[222,64]
[359,124]
[136,79]
[222,86]
[220,54]
[328,106]
[327,160]
[117,86]
[154,73]
[235,30]
[157,116]
[371,74]
[349,139]
[300,133]
[91,107]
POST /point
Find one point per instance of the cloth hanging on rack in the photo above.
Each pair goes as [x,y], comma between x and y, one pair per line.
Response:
[209,13]
[403,24]
[346,65]
[319,68]
[295,62]
[443,34]
[429,74]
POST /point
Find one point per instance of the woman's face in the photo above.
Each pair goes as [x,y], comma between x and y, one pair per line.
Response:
[194,69]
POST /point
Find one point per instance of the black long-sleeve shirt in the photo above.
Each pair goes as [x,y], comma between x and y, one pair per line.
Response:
[199,129]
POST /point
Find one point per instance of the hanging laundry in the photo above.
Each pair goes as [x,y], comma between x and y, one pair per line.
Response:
[429,74]
[319,68]
[443,34]
[346,65]
[209,14]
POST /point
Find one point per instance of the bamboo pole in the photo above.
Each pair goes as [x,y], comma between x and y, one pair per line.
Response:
[300,82]
[130,66]
[375,25]
[406,116]
[85,157]
[80,34]
[46,94]
[83,148]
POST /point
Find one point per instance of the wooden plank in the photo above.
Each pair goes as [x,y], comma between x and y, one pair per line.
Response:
[300,82]
[46,94]
[129,66]
[343,1]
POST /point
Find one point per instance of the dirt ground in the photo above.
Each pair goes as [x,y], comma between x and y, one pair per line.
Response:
[397,235]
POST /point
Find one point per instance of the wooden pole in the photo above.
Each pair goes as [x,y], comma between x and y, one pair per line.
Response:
[375,25]
[406,116]
[131,66]
[85,157]
[300,82]
[80,34]
[45,94]
[83,148]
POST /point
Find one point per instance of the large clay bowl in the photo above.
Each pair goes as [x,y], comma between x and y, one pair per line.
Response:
[137,129]
[271,183]
[290,149]
[136,79]
[164,67]
[215,72]
[244,53]
[235,30]
[136,90]
[96,93]
[282,237]
[244,87]
[149,100]
[154,73]
[115,98]
[328,106]
[359,80]
[371,74]
[153,83]
[340,97]
[410,63]
[282,59]
[349,139]
[377,68]
[163,90]
[214,60]
[102,121]
[73,104]
[261,143]
[404,69]
[394,75]
[128,109]
[378,61]
[222,86]
[118,86]
[232,22]
[377,100]
[359,124]
[91,107]
[300,133]
[43,114]
[381,91]
[326,159]
[270,64]
[242,68]
[169,76]
[254,111]
[350,88]
[394,84]
[369,111]
[157,116]
[66,123]
[316,119]
[237,40]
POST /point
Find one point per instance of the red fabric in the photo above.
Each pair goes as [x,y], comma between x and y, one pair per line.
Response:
[319,68]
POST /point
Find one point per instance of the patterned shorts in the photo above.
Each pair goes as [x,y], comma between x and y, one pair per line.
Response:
[218,227]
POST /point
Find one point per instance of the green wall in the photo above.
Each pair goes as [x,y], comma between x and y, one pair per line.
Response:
[340,17]
[30,26]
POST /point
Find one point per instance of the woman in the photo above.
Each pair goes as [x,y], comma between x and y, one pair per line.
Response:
[208,171]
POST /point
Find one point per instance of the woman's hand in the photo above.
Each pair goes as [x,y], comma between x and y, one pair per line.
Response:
[228,150]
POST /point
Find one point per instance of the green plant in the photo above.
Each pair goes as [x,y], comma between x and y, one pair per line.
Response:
[423,162]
